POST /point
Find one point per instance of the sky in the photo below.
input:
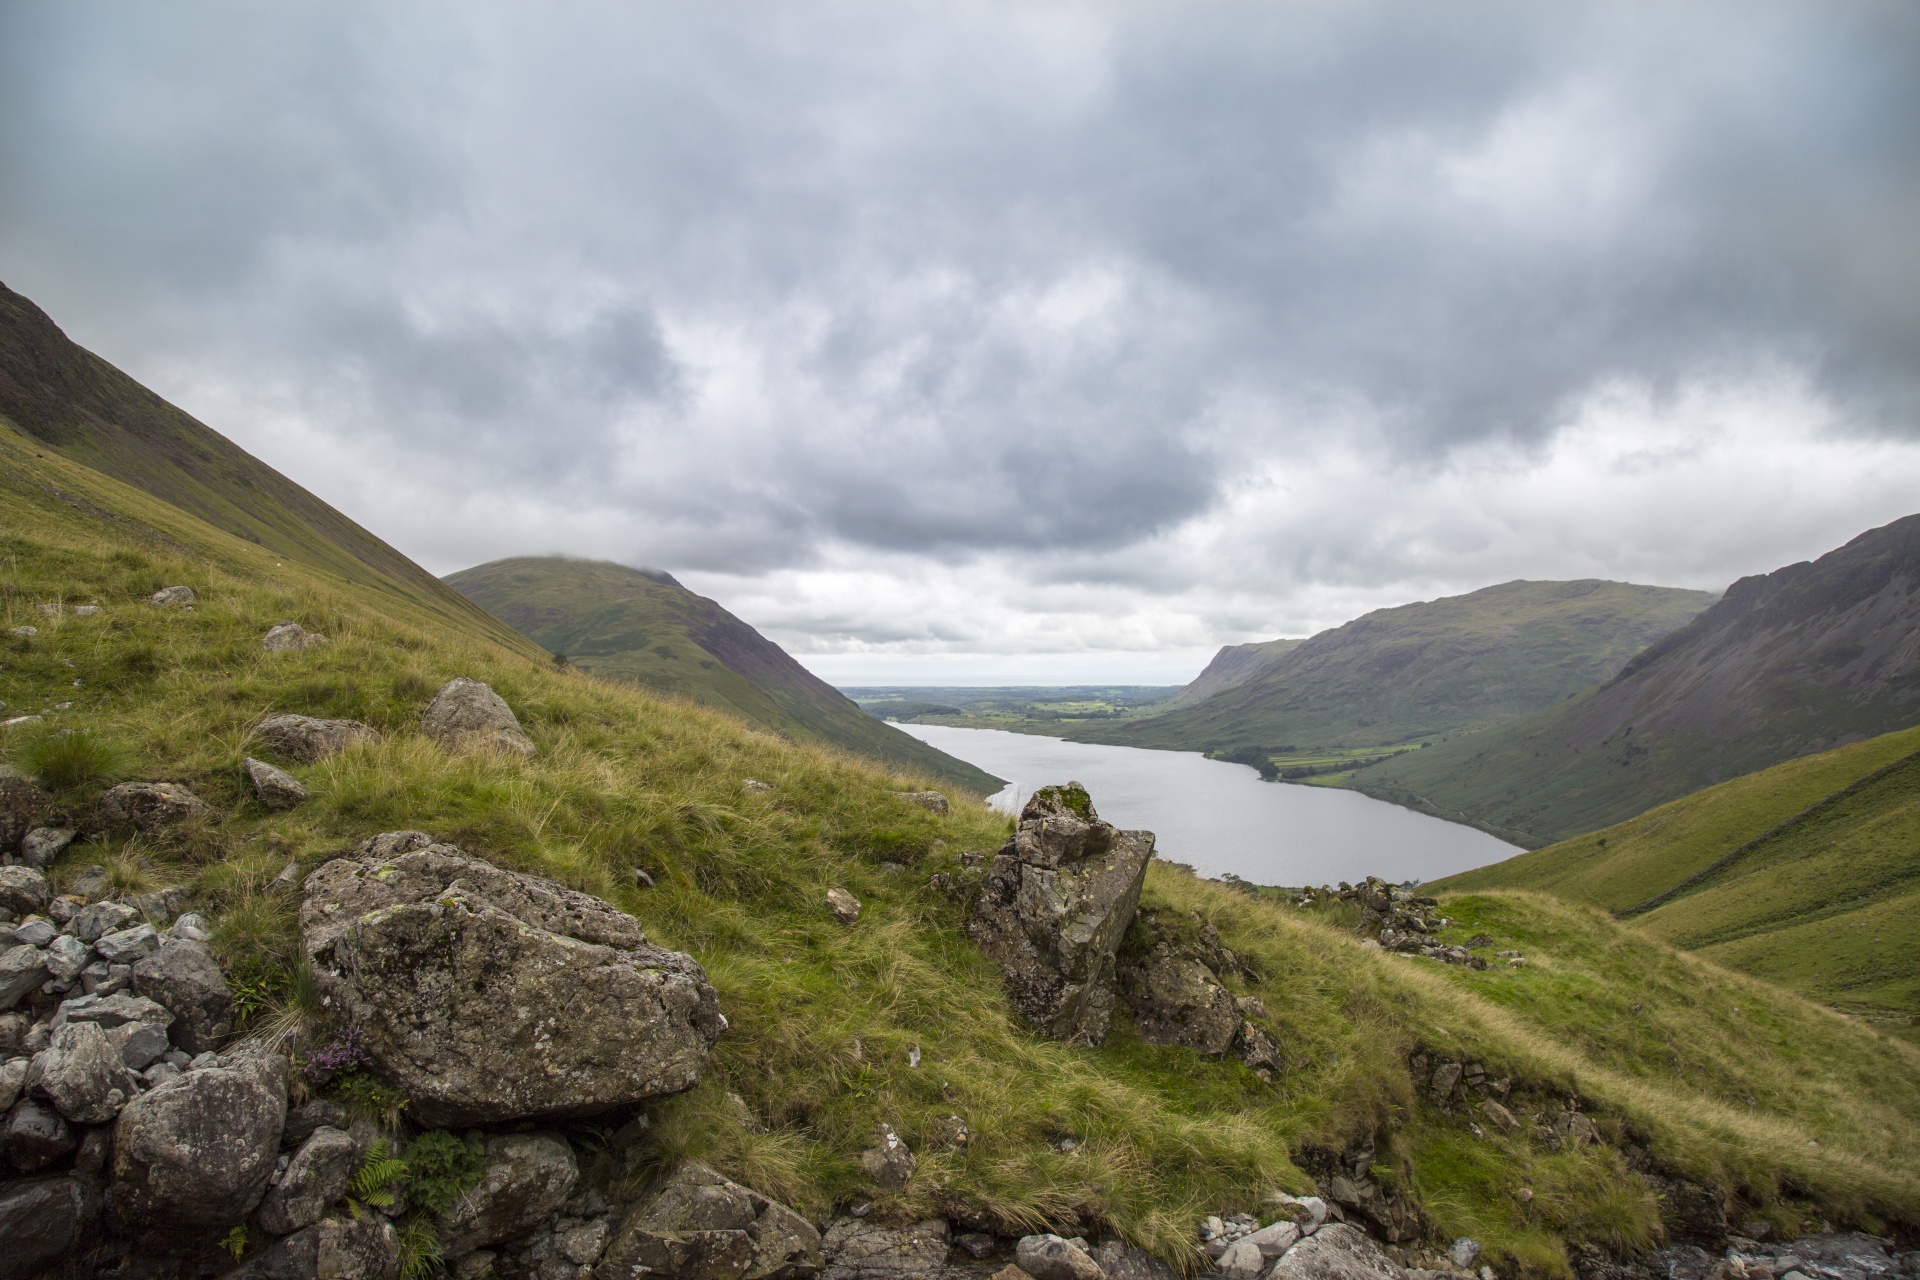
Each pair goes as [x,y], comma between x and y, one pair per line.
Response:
[1022,343]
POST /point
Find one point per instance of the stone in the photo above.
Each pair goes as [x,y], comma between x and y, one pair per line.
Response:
[13,1081]
[889,1161]
[146,806]
[528,1176]
[22,804]
[314,1178]
[977,1245]
[128,946]
[173,597]
[1335,1252]
[1276,1238]
[1177,1000]
[348,1248]
[467,713]
[96,1146]
[66,957]
[1446,1077]
[304,740]
[700,1225]
[275,788]
[583,1245]
[291,637]
[159,906]
[931,801]
[1464,1252]
[755,786]
[34,931]
[1501,1117]
[42,846]
[855,1247]
[23,631]
[309,1118]
[44,1221]
[86,611]
[110,1011]
[139,1044]
[83,1076]
[191,927]
[1257,1049]
[488,996]
[1055,904]
[843,906]
[97,919]
[22,971]
[37,1135]
[1121,1261]
[197,1152]
[1241,1260]
[1048,1257]
[23,890]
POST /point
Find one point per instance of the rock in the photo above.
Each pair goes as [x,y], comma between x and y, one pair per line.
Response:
[1120,1261]
[1464,1252]
[889,1161]
[309,1118]
[1500,1116]
[21,806]
[66,957]
[931,801]
[1175,999]
[110,1011]
[488,996]
[276,788]
[291,637]
[315,1178]
[362,1248]
[139,1044]
[1446,1077]
[1276,1238]
[44,1221]
[146,806]
[1048,1257]
[197,1151]
[83,1075]
[42,846]
[34,931]
[755,786]
[305,740]
[173,597]
[97,919]
[23,631]
[1242,1260]
[1307,1212]
[86,611]
[1335,1252]
[23,890]
[467,713]
[128,946]
[1055,905]
[13,1081]
[22,970]
[1257,1049]
[855,1247]
[843,906]
[528,1176]
[583,1245]
[191,927]
[160,905]
[977,1245]
[96,1145]
[37,1135]
[184,979]
[701,1226]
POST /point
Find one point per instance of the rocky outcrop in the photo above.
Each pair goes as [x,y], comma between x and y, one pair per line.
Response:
[304,740]
[275,788]
[1055,904]
[858,1249]
[528,1176]
[1170,974]
[1335,1252]
[933,802]
[701,1226]
[291,637]
[487,996]
[468,714]
[146,806]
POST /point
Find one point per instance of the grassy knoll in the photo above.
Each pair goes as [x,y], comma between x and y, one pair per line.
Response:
[1804,1114]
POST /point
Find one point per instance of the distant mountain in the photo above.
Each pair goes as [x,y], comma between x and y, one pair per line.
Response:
[1234,665]
[1806,874]
[1421,670]
[1788,663]
[65,398]
[643,626]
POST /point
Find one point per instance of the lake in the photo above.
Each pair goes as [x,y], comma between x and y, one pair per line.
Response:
[1221,817]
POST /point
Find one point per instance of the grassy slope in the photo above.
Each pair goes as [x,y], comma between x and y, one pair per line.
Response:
[71,401]
[1428,668]
[1234,665]
[1807,874]
[619,623]
[1725,1078]
[1784,665]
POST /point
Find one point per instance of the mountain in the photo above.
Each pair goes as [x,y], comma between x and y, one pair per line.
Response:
[1806,874]
[1421,670]
[641,625]
[1788,663]
[1234,665]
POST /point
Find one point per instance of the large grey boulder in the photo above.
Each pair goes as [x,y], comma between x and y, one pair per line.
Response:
[314,1178]
[860,1249]
[276,788]
[487,996]
[466,713]
[36,1135]
[303,739]
[83,1076]
[291,637]
[702,1226]
[23,890]
[22,970]
[1335,1252]
[184,979]
[146,806]
[97,919]
[528,1176]
[1056,903]
[198,1150]
[362,1248]
[41,847]
[1175,999]
[44,1221]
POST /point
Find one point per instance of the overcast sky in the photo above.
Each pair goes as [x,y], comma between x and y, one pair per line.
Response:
[976,343]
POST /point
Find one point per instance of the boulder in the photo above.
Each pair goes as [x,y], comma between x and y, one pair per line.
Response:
[1464,1252]
[488,996]
[931,801]
[97,919]
[37,1135]
[889,1161]
[854,1248]
[701,1226]
[139,1044]
[109,1011]
[528,1176]
[173,597]
[146,806]
[276,788]
[1055,905]
[13,1081]
[1335,1252]
[83,1076]
[466,713]
[309,1118]
[183,978]
[1175,999]
[44,1221]
[127,946]
[843,906]
[1119,1261]
[362,1248]
[314,1178]
[23,890]
[67,956]
[22,971]
[291,637]
[1241,1260]
[303,739]
[1048,1257]
[197,1152]
[41,847]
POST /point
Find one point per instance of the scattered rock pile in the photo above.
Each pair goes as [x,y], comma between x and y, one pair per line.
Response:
[1403,920]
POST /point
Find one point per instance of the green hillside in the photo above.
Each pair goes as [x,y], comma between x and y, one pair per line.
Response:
[627,625]
[1806,874]
[1784,665]
[1422,670]
[1680,1064]
[1234,665]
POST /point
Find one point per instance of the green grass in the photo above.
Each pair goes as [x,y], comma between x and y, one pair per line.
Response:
[824,1017]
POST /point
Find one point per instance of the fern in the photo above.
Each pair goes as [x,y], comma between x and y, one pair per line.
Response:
[378,1176]
[442,1167]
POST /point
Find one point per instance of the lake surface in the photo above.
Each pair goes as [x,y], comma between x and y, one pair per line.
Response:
[1221,817]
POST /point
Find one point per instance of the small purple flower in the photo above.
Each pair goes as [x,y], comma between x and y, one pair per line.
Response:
[343,1053]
